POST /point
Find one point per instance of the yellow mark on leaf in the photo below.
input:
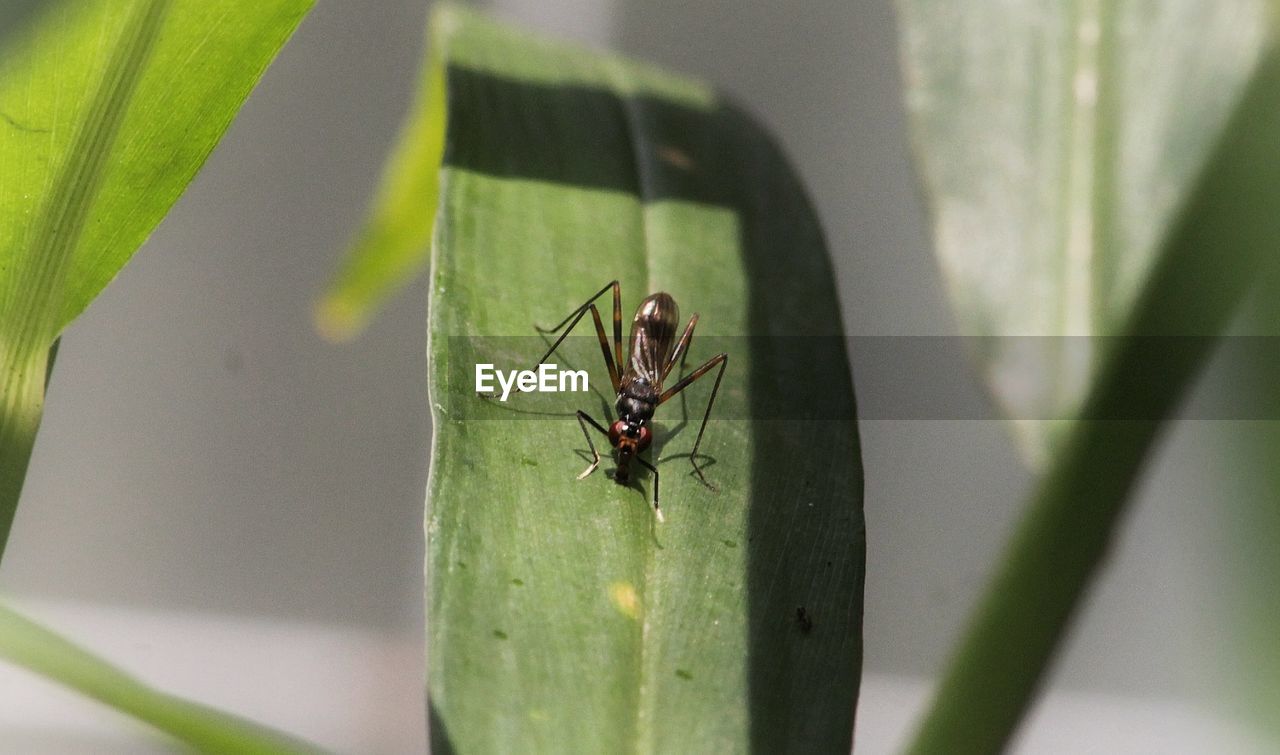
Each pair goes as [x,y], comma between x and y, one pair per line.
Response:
[624,598]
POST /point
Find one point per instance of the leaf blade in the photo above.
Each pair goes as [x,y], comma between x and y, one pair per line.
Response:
[98,138]
[1057,142]
[560,615]
[1209,247]
[27,644]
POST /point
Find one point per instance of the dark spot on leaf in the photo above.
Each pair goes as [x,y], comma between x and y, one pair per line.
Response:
[729,544]
[528,462]
[462,564]
[500,634]
[518,582]
[804,620]
[683,674]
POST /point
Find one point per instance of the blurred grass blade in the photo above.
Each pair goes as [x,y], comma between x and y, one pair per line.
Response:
[392,247]
[561,616]
[107,110]
[1245,480]
[1206,249]
[1057,142]
[27,644]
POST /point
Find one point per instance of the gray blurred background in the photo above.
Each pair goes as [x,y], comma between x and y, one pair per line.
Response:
[205,453]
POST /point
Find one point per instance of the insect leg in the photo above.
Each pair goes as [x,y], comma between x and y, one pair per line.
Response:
[614,363]
[682,347]
[575,316]
[583,419]
[718,359]
[617,331]
[656,509]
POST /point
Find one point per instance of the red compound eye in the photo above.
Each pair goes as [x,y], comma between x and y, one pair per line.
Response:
[615,432]
[643,441]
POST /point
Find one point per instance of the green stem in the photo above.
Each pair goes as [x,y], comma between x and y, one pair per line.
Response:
[37,649]
[1030,602]
[1222,242]
[21,403]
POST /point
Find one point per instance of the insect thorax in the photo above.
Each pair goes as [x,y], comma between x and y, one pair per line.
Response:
[636,400]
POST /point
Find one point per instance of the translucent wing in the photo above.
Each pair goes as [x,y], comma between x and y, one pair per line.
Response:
[653,335]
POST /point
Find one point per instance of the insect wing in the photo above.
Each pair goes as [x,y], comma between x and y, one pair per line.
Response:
[653,335]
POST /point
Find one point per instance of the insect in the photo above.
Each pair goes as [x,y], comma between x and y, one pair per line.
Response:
[653,352]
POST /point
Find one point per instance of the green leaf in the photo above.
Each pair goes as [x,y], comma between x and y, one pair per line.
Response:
[1240,468]
[27,644]
[1116,161]
[393,245]
[107,110]
[561,615]
[1057,142]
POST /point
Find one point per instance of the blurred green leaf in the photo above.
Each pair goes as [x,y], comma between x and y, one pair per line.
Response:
[1241,470]
[107,110]
[1057,142]
[561,616]
[394,243]
[1117,162]
[27,644]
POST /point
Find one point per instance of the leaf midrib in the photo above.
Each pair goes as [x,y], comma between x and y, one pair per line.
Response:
[38,286]
[644,697]
[1082,194]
